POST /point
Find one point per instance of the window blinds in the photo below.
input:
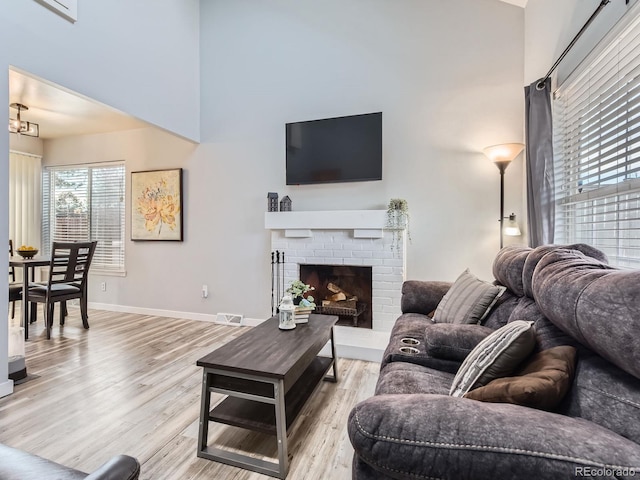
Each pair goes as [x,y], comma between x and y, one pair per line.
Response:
[25,172]
[84,203]
[597,152]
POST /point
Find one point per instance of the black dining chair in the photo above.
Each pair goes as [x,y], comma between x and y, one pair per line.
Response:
[68,272]
[15,289]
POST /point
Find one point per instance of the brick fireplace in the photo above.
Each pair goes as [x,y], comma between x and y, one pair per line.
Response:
[344,238]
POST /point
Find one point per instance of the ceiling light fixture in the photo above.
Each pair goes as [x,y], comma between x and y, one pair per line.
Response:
[22,127]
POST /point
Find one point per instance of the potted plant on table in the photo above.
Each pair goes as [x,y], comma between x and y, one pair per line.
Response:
[299,292]
[305,303]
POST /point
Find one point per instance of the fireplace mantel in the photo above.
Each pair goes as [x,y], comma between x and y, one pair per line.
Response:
[364,223]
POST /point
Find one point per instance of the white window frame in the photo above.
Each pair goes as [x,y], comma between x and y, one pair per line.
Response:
[597,148]
[48,211]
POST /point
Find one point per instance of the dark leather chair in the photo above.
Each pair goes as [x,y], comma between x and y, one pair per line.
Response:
[19,465]
[15,289]
[68,272]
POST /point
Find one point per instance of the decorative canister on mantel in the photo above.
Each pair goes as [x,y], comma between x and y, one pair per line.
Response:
[286,316]
[272,202]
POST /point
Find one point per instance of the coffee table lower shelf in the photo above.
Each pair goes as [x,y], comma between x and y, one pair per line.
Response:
[259,416]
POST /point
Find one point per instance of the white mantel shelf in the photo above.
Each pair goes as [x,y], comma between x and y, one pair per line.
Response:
[364,223]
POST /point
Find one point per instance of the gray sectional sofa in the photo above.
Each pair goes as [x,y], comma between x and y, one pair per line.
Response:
[412,428]
[20,465]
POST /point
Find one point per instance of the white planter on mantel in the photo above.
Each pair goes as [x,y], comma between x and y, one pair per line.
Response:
[364,223]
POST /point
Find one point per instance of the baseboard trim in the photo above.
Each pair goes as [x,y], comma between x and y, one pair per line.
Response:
[351,342]
[203,317]
[6,388]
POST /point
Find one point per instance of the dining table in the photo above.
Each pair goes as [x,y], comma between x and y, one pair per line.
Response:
[28,266]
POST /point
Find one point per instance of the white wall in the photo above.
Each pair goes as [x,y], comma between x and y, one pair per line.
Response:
[25,144]
[160,275]
[140,57]
[551,25]
[448,77]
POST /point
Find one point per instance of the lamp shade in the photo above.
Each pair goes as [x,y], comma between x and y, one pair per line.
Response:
[511,228]
[503,153]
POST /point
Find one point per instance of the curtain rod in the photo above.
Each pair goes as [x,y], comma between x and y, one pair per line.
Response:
[603,3]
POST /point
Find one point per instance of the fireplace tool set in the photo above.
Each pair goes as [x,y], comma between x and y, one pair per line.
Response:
[277,280]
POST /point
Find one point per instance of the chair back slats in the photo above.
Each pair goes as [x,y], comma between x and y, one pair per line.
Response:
[12,270]
[70,262]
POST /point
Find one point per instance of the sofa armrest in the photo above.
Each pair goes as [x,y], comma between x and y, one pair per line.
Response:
[422,297]
[121,467]
[453,341]
[437,436]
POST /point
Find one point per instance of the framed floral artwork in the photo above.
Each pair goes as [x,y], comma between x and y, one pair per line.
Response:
[156,205]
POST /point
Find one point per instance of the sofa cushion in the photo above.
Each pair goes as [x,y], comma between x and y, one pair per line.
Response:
[541,382]
[501,312]
[536,255]
[441,437]
[422,297]
[468,300]
[411,325]
[597,304]
[453,341]
[508,266]
[401,378]
[496,356]
[547,334]
[604,394]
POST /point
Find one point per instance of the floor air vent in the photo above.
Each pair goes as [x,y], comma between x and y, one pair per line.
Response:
[229,318]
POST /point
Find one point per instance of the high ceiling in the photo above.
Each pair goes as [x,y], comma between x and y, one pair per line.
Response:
[60,112]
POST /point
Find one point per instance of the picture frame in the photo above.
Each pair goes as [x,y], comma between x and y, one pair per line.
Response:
[156,205]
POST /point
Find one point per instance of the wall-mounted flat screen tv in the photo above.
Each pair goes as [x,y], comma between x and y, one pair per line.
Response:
[333,150]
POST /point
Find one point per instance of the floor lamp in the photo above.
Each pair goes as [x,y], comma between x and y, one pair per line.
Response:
[502,155]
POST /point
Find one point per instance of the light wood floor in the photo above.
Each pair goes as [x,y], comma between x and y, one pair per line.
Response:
[130,385]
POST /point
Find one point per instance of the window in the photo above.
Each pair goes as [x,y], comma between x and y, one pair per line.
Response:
[86,202]
[597,151]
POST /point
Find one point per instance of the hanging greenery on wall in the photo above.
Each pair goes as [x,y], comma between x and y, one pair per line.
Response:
[398,220]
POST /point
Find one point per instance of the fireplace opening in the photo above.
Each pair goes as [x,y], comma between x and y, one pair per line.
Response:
[341,290]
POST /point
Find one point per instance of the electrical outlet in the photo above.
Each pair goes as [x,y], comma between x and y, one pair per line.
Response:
[205,291]
[103,286]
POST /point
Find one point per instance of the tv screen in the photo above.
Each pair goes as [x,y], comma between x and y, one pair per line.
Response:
[332,150]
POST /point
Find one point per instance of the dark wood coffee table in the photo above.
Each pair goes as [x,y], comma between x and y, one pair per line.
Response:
[268,374]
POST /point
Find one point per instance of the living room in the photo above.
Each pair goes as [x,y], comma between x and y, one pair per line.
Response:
[218,81]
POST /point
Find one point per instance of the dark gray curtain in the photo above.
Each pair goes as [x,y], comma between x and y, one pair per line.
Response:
[539,150]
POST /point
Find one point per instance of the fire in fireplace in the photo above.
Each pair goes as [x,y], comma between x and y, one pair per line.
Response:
[341,290]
